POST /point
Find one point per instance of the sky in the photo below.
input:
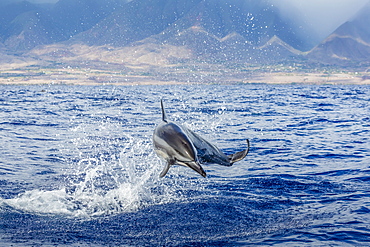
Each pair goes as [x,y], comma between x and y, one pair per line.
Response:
[43,1]
[324,16]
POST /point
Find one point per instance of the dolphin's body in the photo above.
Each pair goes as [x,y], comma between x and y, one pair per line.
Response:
[179,145]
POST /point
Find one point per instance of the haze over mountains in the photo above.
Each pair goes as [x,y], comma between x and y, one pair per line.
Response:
[175,30]
[349,42]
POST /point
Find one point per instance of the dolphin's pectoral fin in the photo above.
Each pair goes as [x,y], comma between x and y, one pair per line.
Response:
[239,155]
[166,168]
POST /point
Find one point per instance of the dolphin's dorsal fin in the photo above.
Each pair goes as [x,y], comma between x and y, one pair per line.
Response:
[239,155]
[164,116]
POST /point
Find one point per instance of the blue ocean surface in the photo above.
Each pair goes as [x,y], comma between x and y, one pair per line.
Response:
[77,166]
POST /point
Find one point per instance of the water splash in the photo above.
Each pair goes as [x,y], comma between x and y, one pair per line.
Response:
[102,186]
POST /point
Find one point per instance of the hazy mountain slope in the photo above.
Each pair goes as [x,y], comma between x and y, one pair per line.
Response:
[216,29]
[9,11]
[256,21]
[71,17]
[137,20]
[348,43]
[25,25]
[28,30]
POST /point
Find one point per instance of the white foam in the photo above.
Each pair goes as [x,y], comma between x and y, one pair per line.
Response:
[106,187]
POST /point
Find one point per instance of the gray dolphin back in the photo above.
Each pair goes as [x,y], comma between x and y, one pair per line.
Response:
[210,154]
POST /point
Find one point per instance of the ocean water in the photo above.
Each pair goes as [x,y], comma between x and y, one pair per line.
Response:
[77,167]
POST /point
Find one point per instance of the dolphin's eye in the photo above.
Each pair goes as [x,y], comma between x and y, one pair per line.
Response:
[184,143]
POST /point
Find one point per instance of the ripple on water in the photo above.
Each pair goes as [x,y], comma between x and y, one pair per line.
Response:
[78,166]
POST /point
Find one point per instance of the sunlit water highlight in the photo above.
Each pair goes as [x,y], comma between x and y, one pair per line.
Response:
[77,166]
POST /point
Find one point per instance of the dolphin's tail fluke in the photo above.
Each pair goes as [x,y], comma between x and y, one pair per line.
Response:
[239,155]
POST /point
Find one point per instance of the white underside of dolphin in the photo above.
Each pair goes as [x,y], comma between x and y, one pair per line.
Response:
[179,145]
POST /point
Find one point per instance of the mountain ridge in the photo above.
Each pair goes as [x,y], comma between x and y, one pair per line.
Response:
[212,30]
[349,43]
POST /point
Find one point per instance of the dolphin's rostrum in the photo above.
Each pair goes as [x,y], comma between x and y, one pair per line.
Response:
[179,145]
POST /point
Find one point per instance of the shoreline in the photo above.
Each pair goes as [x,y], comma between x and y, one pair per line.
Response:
[268,78]
[177,74]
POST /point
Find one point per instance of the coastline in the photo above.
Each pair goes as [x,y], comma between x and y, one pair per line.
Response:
[132,80]
[97,73]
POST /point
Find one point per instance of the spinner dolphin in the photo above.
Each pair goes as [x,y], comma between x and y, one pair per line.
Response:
[180,145]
